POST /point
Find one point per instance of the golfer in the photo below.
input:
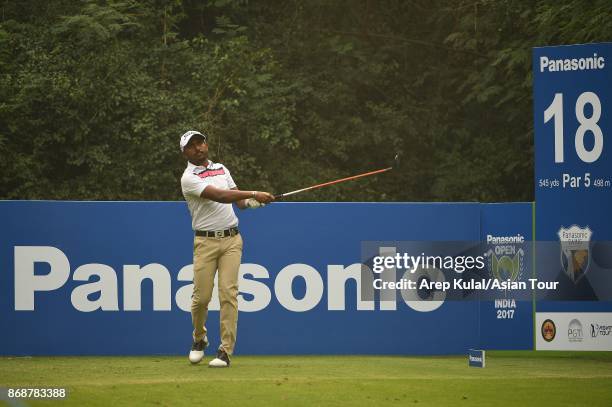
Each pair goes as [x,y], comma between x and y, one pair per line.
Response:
[209,191]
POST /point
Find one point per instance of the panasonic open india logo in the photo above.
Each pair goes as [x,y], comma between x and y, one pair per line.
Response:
[98,285]
[506,257]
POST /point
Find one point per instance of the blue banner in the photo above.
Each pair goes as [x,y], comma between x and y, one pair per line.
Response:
[112,278]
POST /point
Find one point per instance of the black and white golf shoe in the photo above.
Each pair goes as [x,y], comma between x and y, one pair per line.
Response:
[197,351]
[222,359]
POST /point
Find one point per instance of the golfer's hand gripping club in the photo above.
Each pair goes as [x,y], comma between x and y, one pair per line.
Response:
[261,198]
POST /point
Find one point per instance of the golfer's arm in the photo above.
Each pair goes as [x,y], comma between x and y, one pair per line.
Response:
[227,195]
[242,204]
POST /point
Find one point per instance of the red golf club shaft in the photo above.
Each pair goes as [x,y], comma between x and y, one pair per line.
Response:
[333,182]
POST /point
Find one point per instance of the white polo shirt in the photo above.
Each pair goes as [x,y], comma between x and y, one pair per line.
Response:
[207,214]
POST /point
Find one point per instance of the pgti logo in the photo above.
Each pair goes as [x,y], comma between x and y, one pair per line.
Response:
[574,331]
[506,257]
[575,248]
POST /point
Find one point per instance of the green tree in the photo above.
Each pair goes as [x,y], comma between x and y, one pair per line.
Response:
[94,95]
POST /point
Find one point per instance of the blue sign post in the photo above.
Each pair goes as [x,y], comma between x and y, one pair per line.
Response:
[573,177]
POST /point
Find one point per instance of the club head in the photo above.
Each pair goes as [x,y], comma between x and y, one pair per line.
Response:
[396,162]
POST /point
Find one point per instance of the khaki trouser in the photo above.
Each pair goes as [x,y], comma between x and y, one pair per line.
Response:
[210,254]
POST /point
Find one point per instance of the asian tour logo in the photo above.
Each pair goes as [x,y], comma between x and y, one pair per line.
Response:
[600,330]
[506,257]
[575,256]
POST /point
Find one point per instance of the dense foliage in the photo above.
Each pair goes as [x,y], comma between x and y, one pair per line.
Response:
[94,94]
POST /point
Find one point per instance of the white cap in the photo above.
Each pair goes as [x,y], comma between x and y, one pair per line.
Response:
[187,136]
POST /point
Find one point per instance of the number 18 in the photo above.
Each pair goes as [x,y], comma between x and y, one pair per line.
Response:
[586,124]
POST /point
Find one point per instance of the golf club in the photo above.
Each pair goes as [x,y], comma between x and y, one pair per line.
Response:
[395,164]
